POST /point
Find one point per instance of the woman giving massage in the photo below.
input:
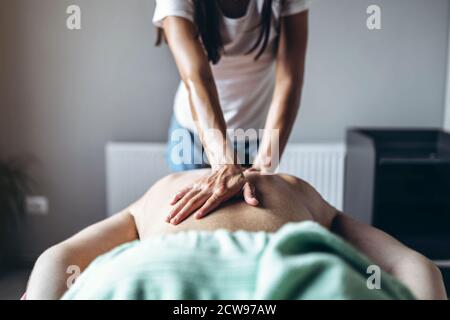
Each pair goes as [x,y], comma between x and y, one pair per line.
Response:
[282,199]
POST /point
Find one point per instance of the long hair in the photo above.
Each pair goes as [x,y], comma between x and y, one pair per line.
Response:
[207,20]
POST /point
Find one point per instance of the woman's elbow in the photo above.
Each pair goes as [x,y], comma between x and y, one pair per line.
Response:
[193,79]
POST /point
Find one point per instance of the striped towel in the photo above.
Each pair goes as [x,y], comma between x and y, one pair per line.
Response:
[300,261]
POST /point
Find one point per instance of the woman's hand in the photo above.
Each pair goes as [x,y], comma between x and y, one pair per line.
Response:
[210,191]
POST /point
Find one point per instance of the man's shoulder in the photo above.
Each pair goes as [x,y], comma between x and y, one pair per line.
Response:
[296,182]
[182,177]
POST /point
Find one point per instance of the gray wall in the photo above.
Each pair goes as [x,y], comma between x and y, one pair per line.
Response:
[63,94]
[447,96]
[393,77]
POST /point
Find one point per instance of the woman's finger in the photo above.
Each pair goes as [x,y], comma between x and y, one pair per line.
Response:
[250,194]
[212,203]
[190,207]
[180,195]
[188,196]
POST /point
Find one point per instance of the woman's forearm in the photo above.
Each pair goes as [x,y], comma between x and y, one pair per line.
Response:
[279,124]
[196,73]
[209,120]
[285,104]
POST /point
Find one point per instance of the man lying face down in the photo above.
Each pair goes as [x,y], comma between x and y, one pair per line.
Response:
[282,199]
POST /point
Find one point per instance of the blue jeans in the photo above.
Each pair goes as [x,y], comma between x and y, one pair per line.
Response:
[185,141]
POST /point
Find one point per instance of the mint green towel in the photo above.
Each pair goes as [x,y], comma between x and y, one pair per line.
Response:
[300,261]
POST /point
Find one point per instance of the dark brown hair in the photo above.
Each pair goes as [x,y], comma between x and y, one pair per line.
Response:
[207,20]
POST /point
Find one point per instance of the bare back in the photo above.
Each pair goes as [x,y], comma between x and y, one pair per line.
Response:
[283,199]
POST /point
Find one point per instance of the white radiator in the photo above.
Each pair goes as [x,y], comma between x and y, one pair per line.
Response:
[131,168]
[322,165]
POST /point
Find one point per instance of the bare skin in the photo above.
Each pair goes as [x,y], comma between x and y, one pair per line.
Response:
[283,199]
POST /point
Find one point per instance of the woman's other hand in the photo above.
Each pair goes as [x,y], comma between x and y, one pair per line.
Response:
[211,191]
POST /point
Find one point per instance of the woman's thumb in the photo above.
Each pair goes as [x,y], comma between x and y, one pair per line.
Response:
[250,194]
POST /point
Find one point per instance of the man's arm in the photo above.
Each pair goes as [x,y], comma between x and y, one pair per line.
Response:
[48,280]
[418,273]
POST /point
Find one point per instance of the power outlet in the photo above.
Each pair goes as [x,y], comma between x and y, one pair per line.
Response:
[37,205]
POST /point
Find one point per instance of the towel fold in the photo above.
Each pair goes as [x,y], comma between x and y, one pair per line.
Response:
[300,261]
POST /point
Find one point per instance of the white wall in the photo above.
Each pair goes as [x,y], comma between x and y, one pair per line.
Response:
[64,94]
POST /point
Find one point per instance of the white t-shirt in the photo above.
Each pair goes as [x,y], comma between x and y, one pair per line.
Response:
[245,86]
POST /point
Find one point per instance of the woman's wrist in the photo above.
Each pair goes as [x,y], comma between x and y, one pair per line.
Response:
[262,166]
[220,151]
[227,167]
